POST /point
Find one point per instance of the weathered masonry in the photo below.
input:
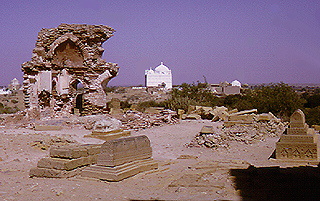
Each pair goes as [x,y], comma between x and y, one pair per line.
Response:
[66,73]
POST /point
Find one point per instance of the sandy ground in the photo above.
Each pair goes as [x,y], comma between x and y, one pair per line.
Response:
[196,173]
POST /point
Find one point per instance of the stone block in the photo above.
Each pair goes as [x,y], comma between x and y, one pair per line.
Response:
[264,117]
[47,128]
[298,138]
[74,151]
[109,136]
[245,112]
[115,111]
[296,151]
[66,164]
[231,123]
[154,110]
[53,173]
[245,117]
[297,131]
[106,132]
[316,127]
[193,116]
[118,173]
[207,130]
[124,150]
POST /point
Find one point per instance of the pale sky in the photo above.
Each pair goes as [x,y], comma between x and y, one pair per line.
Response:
[251,41]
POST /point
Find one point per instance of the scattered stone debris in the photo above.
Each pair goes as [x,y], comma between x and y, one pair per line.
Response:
[45,144]
[134,120]
[245,128]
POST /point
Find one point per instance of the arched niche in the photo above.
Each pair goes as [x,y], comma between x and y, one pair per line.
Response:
[68,54]
[73,40]
[77,85]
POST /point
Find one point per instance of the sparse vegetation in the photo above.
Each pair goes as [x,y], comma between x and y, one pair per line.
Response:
[191,94]
[14,101]
[143,105]
[278,98]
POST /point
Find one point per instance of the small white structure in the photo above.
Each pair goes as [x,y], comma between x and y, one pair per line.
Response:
[226,88]
[14,84]
[160,76]
[236,83]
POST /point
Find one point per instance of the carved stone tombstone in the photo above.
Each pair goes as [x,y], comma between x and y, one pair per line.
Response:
[67,67]
[115,106]
[300,141]
[122,158]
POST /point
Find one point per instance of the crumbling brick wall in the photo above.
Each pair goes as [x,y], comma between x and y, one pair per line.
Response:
[66,73]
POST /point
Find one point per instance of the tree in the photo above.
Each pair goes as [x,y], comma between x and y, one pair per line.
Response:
[279,98]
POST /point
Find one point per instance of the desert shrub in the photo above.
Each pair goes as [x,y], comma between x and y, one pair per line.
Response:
[14,101]
[110,89]
[191,94]
[8,110]
[120,90]
[279,98]
[312,100]
[125,104]
[239,101]
[312,115]
[143,105]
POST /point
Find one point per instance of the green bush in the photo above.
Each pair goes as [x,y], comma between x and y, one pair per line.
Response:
[279,98]
[143,105]
[191,94]
[312,115]
[125,104]
[8,110]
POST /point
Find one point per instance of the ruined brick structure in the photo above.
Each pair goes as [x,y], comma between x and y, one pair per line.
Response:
[66,73]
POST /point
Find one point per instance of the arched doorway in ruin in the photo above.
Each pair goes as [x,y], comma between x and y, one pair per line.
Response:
[78,90]
[78,104]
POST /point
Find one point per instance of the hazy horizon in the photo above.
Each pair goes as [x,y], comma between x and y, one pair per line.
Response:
[250,41]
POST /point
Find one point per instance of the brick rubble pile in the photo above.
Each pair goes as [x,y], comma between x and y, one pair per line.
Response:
[134,120]
[247,134]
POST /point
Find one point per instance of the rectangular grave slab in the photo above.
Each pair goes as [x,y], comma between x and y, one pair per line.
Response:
[47,128]
[53,173]
[74,151]
[118,173]
[124,150]
[66,164]
[109,136]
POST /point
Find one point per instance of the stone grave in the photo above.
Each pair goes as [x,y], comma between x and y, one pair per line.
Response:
[109,135]
[122,158]
[115,107]
[66,161]
[299,142]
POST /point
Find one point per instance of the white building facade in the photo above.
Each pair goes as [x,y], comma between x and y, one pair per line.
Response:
[160,76]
